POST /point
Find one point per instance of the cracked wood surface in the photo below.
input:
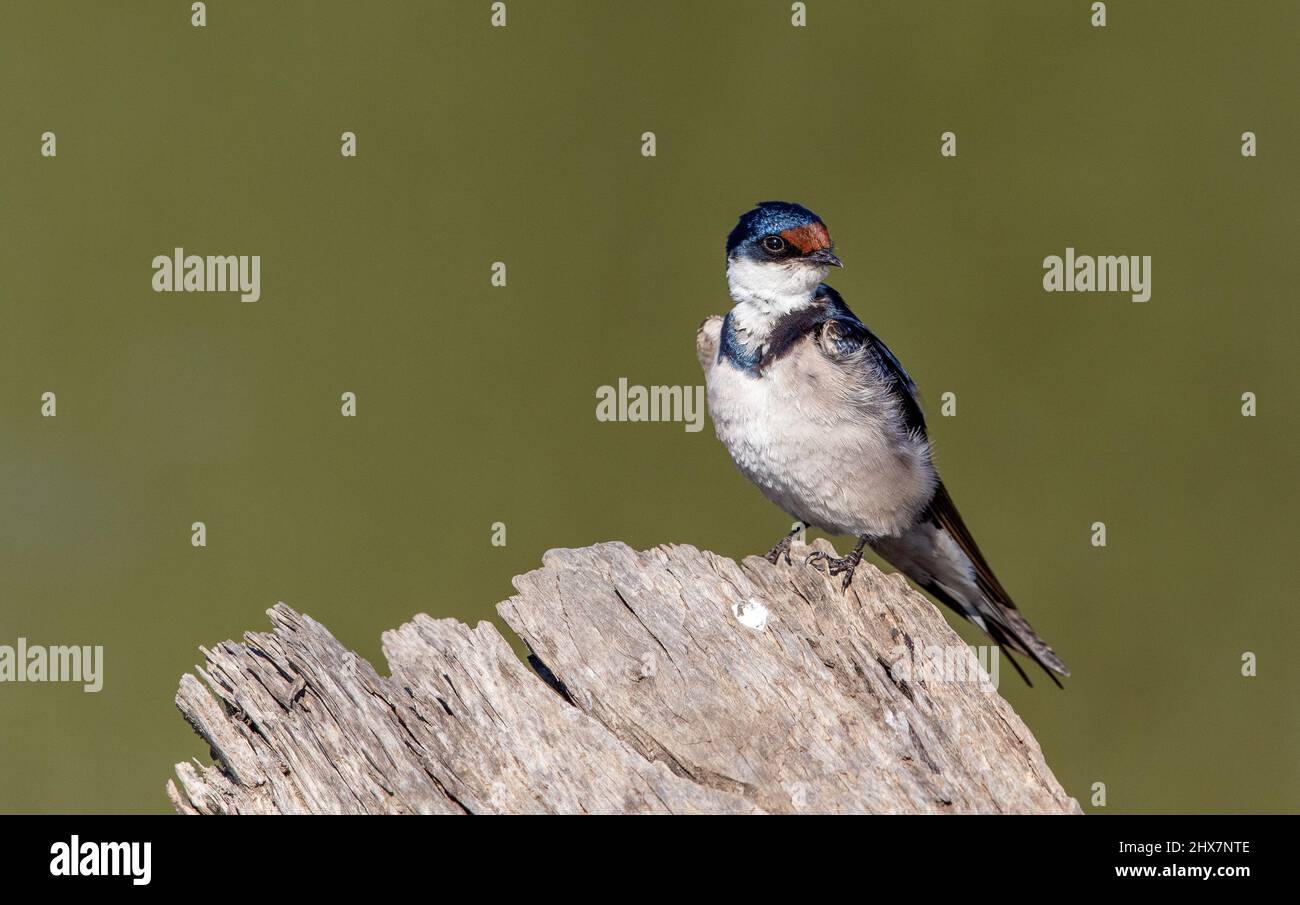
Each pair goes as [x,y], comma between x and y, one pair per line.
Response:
[672,681]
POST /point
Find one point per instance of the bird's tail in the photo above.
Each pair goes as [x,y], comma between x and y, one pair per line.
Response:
[940,555]
[1011,631]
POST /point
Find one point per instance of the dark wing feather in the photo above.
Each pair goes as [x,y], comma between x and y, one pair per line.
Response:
[1003,610]
[946,516]
[887,365]
[991,628]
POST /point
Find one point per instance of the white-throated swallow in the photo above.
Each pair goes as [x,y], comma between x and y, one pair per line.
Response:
[816,411]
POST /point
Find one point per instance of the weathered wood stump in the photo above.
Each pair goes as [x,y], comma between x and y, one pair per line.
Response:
[671,680]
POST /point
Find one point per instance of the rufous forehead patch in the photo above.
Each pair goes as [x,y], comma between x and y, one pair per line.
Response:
[808,238]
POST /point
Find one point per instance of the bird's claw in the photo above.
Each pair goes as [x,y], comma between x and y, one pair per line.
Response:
[782,548]
[844,565]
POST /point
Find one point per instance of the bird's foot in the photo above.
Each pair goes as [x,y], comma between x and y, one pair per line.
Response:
[844,565]
[781,549]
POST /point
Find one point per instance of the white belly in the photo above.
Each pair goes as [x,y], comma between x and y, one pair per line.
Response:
[828,453]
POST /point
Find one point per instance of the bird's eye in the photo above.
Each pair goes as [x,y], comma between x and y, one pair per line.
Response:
[774,244]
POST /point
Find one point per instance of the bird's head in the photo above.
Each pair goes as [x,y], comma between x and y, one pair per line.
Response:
[777,253]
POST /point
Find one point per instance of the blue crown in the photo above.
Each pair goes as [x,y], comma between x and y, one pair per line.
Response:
[768,219]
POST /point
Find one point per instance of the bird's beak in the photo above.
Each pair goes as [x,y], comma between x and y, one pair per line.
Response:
[824,256]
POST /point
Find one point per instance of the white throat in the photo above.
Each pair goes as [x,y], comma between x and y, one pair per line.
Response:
[764,292]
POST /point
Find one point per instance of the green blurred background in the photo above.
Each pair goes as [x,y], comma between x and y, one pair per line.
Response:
[476,404]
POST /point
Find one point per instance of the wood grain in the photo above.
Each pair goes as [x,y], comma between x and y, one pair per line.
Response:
[666,681]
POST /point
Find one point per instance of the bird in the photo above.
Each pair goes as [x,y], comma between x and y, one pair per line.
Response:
[817,412]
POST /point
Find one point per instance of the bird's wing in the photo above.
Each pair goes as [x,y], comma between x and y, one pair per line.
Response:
[844,329]
[996,604]
[1002,620]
